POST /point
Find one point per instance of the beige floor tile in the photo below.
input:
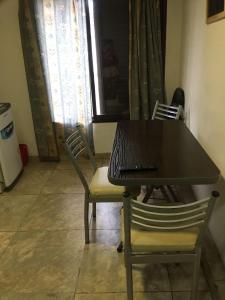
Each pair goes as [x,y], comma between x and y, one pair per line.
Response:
[56,212]
[153,277]
[86,163]
[13,208]
[46,296]
[31,181]
[153,296]
[101,296]
[105,161]
[63,181]
[103,238]
[102,270]
[213,258]
[181,277]
[186,296]
[107,216]
[66,164]
[44,239]
[35,164]
[33,177]
[34,263]
[5,238]
[123,296]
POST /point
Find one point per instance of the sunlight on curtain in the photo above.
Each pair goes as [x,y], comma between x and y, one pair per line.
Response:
[38,94]
[62,34]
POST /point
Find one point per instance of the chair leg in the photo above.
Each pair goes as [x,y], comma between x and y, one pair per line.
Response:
[119,248]
[174,196]
[195,280]
[94,209]
[149,190]
[129,278]
[86,219]
[164,192]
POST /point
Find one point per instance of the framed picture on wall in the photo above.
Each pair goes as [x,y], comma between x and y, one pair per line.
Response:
[215,10]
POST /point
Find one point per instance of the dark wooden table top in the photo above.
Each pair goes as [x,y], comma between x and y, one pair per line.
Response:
[169,145]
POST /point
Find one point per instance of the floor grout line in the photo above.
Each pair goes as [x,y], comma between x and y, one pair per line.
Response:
[56,230]
[78,275]
[170,280]
[121,292]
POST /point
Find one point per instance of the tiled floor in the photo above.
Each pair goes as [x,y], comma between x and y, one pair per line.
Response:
[42,251]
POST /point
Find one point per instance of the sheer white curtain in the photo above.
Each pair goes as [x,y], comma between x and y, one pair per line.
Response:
[62,33]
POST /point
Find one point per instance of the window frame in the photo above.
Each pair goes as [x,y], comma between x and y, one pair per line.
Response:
[118,117]
[216,16]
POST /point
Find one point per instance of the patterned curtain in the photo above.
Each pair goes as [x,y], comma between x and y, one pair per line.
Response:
[44,130]
[146,63]
[62,36]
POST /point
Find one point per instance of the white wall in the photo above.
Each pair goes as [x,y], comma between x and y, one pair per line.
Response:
[103,137]
[13,85]
[203,73]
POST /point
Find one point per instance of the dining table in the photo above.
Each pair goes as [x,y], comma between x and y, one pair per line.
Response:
[154,152]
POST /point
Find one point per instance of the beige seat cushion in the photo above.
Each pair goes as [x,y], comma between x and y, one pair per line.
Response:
[154,241]
[100,186]
[163,241]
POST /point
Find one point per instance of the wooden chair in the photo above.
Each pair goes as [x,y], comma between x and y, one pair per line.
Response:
[99,189]
[164,234]
[166,112]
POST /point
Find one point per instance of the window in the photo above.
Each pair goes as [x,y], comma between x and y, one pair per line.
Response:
[109,35]
[215,10]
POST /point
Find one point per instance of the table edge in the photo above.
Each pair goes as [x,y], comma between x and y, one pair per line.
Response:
[165,181]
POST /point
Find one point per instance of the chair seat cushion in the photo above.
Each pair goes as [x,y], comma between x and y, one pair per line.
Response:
[150,241]
[158,241]
[100,187]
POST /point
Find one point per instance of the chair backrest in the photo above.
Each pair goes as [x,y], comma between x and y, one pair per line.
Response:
[168,218]
[76,145]
[166,112]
